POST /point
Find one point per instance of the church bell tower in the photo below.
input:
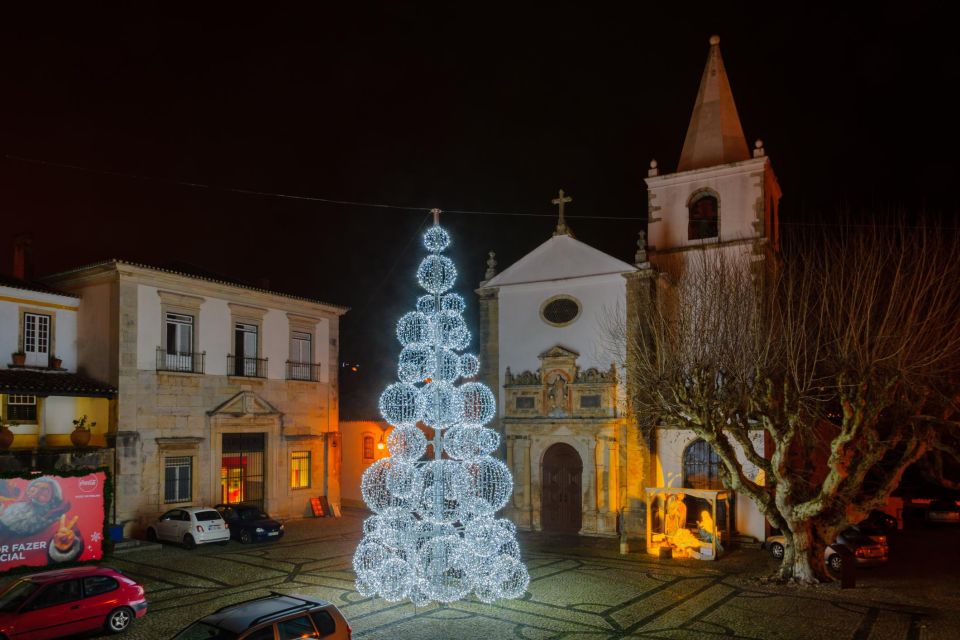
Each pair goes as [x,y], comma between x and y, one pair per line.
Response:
[721,194]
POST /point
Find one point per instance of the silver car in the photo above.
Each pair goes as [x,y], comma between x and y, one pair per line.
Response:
[868,550]
[190,526]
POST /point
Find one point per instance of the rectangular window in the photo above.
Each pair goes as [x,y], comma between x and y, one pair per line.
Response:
[300,470]
[525,402]
[36,339]
[21,408]
[178,479]
[179,334]
[301,355]
[245,348]
[368,447]
[590,402]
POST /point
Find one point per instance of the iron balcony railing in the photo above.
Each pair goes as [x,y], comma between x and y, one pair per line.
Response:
[180,361]
[303,371]
[247,367]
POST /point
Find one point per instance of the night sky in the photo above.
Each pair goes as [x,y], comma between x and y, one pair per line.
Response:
[466,107]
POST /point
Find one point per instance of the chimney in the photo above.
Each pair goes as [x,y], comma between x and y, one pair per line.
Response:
[22,267]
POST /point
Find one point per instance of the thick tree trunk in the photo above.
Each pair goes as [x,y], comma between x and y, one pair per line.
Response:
[803,555]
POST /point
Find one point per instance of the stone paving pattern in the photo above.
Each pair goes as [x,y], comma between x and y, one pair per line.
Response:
[580,589]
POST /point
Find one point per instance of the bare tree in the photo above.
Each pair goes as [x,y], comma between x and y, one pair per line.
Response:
[838,351]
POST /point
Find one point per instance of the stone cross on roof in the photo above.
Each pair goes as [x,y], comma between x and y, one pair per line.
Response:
[560,201]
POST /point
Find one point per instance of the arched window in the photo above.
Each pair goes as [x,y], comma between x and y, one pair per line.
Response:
[701,470]
[703,210]
[701,466]
[368,448]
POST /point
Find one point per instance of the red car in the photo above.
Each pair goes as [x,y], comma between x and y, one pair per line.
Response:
[59,603]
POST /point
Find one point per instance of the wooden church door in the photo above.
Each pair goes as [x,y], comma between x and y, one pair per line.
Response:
[560,508]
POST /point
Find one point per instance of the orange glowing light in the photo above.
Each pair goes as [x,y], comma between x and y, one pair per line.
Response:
[380,446]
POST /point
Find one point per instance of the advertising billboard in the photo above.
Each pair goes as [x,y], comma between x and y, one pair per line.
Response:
[51,519]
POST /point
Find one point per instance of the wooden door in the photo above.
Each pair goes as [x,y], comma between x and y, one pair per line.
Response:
[560,508]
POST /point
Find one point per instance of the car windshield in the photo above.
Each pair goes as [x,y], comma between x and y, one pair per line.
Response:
[204,631]
[253,514]
[17,594]
[203,516]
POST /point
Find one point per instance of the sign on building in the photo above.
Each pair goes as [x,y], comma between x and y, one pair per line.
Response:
[48,520]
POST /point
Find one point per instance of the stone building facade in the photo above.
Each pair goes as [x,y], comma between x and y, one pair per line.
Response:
[225,393]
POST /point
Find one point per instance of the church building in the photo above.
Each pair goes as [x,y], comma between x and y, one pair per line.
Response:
[548,351]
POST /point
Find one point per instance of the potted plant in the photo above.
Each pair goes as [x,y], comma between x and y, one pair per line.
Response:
[6,435]
[19,358]
[81,431]
[55,362]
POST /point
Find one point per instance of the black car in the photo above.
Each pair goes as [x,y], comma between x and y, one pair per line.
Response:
[249,523]
[275,616]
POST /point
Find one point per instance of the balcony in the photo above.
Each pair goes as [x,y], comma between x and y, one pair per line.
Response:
[303,371]
[180,362]
[247,367]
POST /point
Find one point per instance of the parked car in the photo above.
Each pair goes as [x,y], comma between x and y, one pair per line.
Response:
[190,526]
[287,616]
[945,511]
[867,550]
[250,523]
[879,519]
[63,602]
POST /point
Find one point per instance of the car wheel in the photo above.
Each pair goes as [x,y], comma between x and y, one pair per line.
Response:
[151,535]
[119,620]
[835,562]
[776,550]
[245,537]
[189,542]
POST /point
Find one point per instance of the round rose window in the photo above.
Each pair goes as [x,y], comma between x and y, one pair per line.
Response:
[560,311]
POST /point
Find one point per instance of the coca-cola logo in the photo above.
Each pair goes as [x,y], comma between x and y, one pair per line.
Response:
[88,484]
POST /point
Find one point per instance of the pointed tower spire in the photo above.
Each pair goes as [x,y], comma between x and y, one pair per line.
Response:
[714,136]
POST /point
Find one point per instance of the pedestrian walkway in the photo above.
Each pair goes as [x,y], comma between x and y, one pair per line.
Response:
[580,589]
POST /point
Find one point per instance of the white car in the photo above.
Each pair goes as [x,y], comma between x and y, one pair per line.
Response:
[190,526]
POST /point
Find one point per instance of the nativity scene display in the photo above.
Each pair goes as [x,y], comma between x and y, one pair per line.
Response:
[682,523]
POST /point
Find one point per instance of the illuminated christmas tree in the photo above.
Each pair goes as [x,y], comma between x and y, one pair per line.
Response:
[434,536]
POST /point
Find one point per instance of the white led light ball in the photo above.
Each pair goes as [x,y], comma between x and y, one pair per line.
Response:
[441,404]
[447,368]
[470,443]
[444,483]
[416,363]
[403,480]
[469,365]
[450,331]
[437,274]
[367,560]
[453,302]
[436,239]
[479,404]
[414,328]
[400,404]
[373,487]
[396,580]
[427,304]
[445,577]
[490,485]
[407,444]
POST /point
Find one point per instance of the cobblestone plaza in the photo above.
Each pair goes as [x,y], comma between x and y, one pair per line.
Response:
[580,589]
